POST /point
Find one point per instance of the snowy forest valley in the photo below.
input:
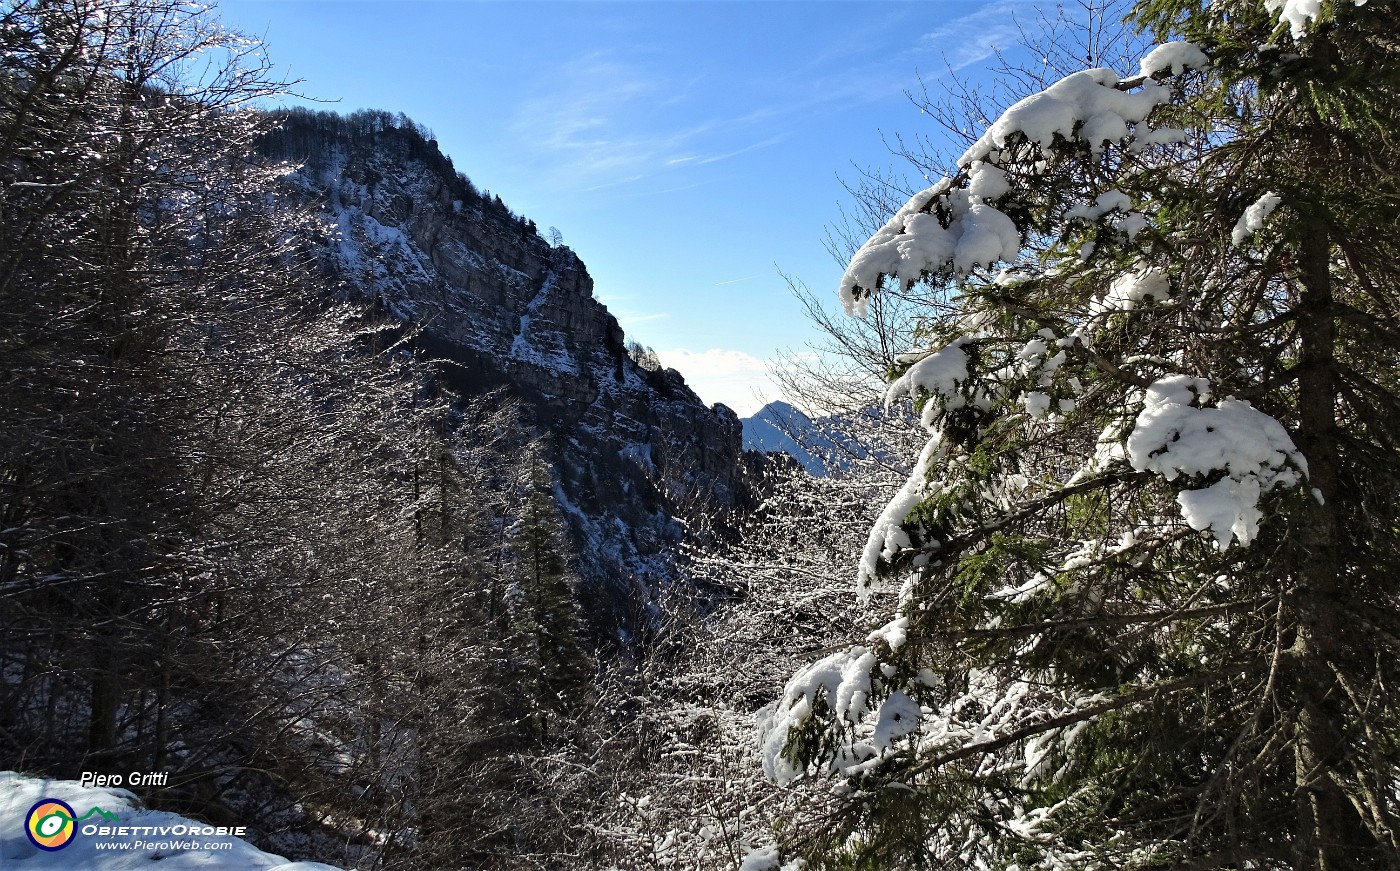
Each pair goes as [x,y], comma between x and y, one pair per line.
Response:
[342,527]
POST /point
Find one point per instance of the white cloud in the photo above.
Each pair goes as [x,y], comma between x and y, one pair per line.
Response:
[741,381]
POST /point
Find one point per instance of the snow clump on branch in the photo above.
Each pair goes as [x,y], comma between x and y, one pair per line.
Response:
[1298,14]
[1252,221]
[1174,437]
[1174,58]
[953,226]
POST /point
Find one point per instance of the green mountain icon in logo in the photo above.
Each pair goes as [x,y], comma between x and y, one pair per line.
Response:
[105,816]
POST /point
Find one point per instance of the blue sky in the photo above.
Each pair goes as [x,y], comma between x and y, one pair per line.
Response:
[689,152]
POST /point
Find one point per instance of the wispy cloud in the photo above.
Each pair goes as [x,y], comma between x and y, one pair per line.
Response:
[614,183]
[608,119]
[620,306]
[641,318]
[600,129]
[701,160]
[582,119]
[973,38]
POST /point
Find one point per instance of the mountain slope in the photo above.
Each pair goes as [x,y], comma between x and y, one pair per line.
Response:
[641,459]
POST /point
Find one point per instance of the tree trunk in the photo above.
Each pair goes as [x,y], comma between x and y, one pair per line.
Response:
[102,711]
[1329,834]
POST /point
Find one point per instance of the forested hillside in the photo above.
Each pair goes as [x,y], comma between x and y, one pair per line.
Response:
[324,562]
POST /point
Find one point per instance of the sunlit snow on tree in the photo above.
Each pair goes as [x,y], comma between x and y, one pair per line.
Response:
[1143,570]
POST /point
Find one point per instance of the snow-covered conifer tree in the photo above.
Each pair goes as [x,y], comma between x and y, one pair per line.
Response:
[1143,573]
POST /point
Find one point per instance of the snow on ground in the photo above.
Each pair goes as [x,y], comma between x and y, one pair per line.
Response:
[177,843]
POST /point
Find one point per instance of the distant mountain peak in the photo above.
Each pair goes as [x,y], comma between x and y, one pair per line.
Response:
[778,427]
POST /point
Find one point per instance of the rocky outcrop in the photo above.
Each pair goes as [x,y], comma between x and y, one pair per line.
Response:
[637,452]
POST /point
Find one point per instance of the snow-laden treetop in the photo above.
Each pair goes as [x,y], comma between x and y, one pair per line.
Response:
[953,227]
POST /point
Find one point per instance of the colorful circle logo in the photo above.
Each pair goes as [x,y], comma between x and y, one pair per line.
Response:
[49,824]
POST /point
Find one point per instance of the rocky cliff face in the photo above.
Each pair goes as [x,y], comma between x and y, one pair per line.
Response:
[635,450]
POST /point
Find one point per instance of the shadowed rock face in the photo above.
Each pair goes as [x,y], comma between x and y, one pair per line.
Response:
[635,450]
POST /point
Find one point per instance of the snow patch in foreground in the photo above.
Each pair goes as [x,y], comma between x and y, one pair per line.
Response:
[19,793]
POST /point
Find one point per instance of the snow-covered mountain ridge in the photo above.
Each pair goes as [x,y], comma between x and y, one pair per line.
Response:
[635,449]
[823,445]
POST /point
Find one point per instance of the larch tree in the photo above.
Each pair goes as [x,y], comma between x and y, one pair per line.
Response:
[1144,571]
